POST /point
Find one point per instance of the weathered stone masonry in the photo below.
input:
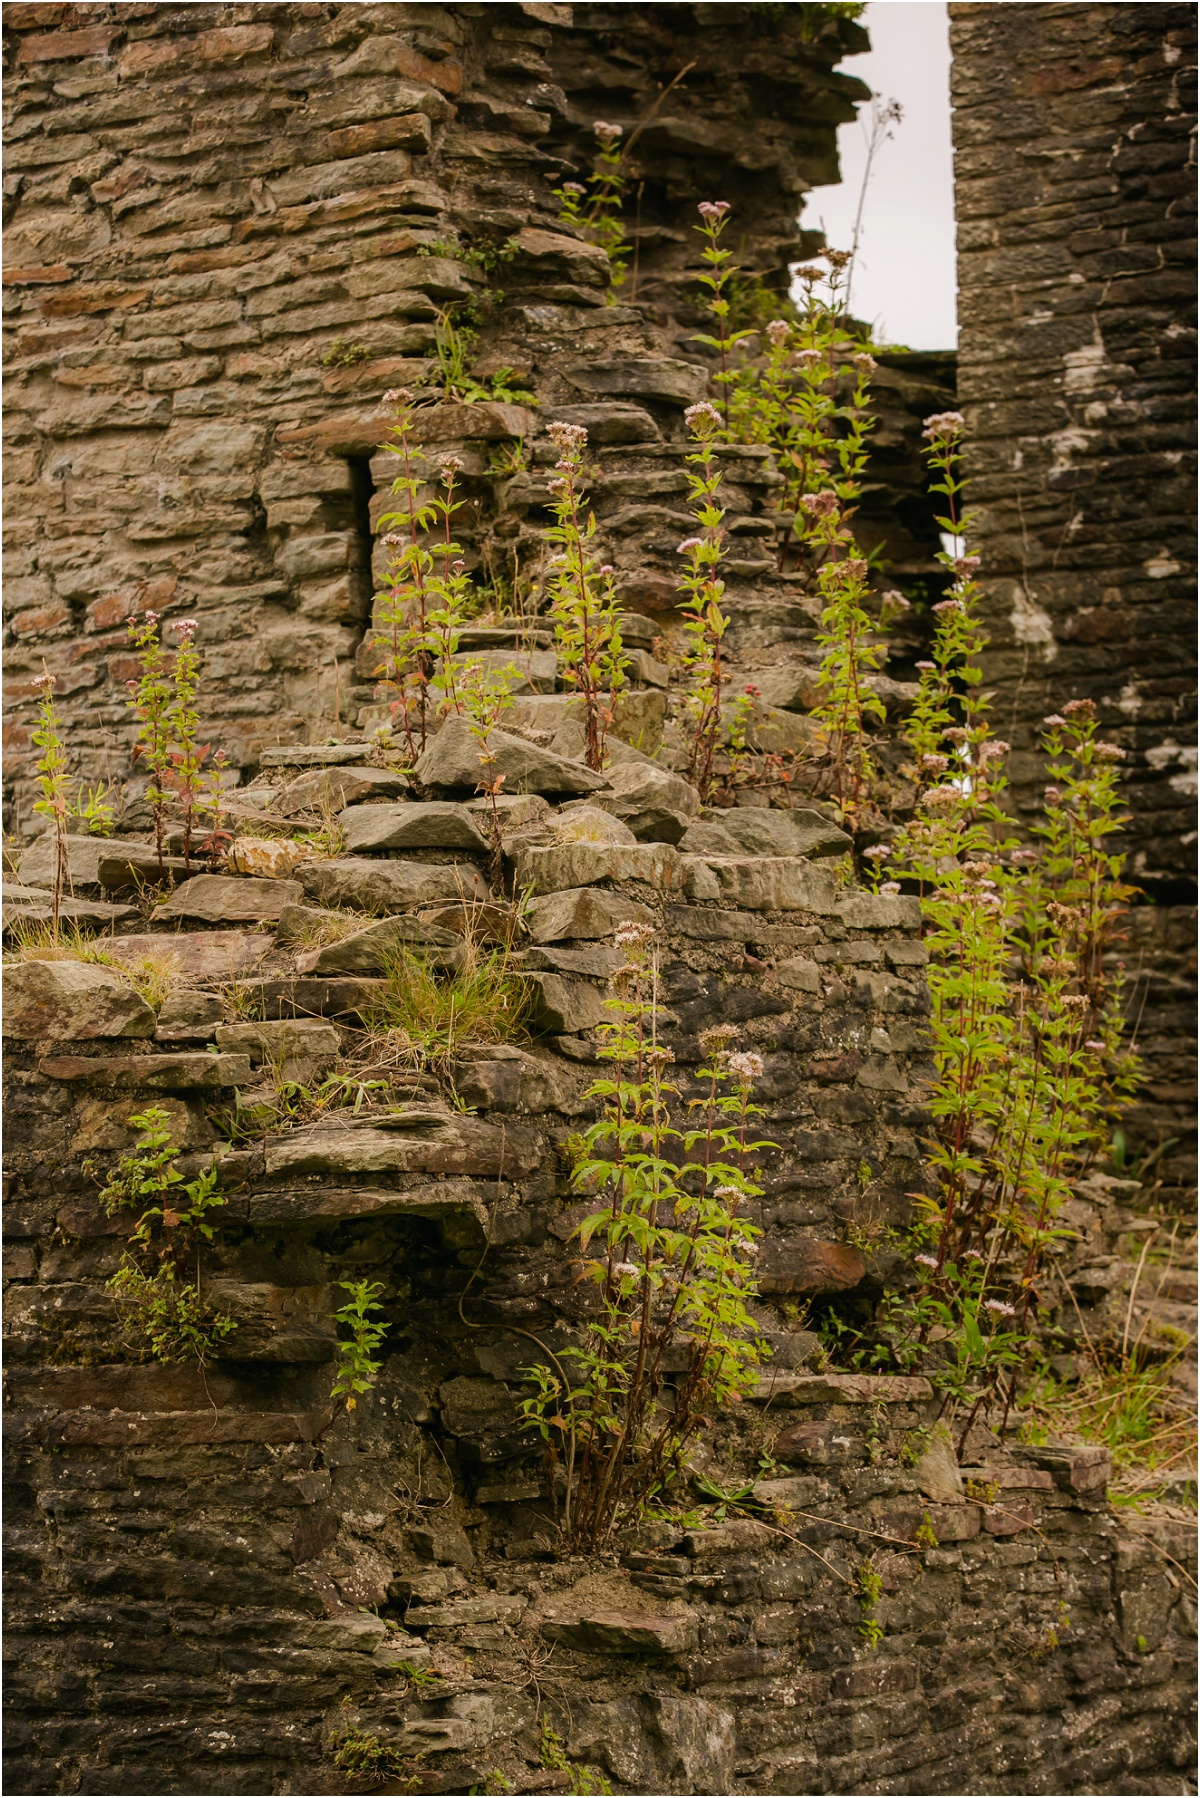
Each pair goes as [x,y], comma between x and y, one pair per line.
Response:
[1075,190]
[205,200]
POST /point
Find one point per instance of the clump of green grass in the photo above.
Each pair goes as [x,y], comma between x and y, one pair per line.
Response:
[424,1017]
[1131,1406]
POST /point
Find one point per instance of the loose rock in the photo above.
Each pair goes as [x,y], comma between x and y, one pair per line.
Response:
[71,999]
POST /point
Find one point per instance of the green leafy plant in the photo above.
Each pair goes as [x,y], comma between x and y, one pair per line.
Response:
[357,1368]
[150,697]
[454,342]
[53,804]
[704,622]
[164,1313]
[674,1269]
[600,220]
[869,1588]
[719,271]
[344,352]
[1031,1072]
[357,1751]
[164,702]
[584,605]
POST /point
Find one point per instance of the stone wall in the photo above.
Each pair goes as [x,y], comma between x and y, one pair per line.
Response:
[1074,127]
[215,1577]
[231,231]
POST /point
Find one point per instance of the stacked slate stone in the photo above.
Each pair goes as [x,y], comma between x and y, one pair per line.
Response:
[217,1576]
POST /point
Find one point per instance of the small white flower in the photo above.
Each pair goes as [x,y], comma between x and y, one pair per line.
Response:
[927,1260]
[746,1065]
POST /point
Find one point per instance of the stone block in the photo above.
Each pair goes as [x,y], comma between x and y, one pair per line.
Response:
[841,1389]
[799,974]
[84,856]
[362,884]
[73,1000]
[435,824]
[564,1007]
[936,1471]
[452,760]
[497,1607]
[807,1265]
[880,911]
[582,913]
[449,1146]
[624,1632]
[285,1041]
[642,378]
[656,804]
[267,858]
[195,954]
[555,869]
[186,1014]
[334,789]
[369,951]
[751,830]
[226,899]
[760,883]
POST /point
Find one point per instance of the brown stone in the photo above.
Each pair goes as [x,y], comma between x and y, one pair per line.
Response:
[808,1265]
[225,899]
[71,999]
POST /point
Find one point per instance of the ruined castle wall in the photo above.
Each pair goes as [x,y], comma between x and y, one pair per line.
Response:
[1074,132]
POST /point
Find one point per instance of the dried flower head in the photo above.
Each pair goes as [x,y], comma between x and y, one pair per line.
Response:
[1055,721]
[965,566]
[46,681]
[1080,708]
[838,258]
[1108,752]
[745,1064]
[450,466]
[569,438]
[809,359]
[1095,1045]
[999,1307]
[396,398]
[946,605]
[878,852]
[628,932]
[820,505]
[604,129]
[865,364]
[573,187]
[1052,796]
[933,764]
[1022,856]
[943,424]
[718,1035]
[990,752]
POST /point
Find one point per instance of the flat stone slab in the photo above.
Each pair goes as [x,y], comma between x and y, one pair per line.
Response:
[497,1607]
[71,999]
[318,997]
[230,899]
[761,883]
[440,1202]
[840,1389]
[436,824]
[461,1146]
[197,954]
[805,1264]
[746,830]
[566,865]
[34,905]
[624,1632]
[316,755]
[126,867]
[182,1072]
[280,1038]
[361,884]
[84,855]
[333,789]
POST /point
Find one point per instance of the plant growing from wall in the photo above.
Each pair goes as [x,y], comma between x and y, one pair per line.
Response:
[600,219]
[150,697]
[669,1251]
[52,784]
[1030,1071]
[358,1367]
[704,622]
[719,272]
[583,600]
[163,1311]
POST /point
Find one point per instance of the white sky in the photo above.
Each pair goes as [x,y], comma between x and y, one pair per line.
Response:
[904,281]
